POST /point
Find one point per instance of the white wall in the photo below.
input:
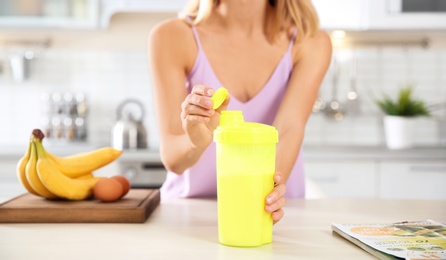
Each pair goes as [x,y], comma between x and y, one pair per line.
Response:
[383,71]
[110,66]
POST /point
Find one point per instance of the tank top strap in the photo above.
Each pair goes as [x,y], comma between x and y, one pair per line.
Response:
[194,30]
[293,38]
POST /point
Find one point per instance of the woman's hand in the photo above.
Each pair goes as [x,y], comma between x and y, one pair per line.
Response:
[198,118]
[276,200]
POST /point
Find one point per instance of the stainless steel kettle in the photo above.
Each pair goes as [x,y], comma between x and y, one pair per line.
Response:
[129,132]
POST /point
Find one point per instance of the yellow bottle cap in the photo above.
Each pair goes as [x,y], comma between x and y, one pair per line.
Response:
[219,97]
[234,130]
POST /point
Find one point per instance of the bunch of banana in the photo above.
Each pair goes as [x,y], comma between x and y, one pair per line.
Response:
[44,174]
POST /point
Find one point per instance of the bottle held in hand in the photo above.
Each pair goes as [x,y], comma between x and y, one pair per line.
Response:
[246,154]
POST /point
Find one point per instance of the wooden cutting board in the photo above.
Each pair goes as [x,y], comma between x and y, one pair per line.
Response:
[135,207]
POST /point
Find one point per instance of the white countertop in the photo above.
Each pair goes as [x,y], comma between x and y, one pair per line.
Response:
[187,229]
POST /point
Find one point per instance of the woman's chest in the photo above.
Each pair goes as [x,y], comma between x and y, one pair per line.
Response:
[244,67]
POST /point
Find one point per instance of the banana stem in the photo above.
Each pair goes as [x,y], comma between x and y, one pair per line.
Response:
[37,133]
[37,137]
[39,148]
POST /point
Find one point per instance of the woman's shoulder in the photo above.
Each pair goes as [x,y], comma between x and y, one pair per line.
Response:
[174,28]
[319,42]
[173,39]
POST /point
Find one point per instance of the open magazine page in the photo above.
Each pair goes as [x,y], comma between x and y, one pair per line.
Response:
[414,240]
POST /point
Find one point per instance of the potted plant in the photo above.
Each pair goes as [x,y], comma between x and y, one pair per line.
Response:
[399,117]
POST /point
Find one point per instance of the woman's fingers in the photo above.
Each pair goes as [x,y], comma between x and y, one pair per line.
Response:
[191,109]
[193,119]
[278,192]
[202,90]
[277,178]
[276,204]
[276,200]
[277,215]
[201,101]
[204,102]
[197,104]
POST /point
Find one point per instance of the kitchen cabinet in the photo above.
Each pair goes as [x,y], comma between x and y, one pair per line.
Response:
[381,15]
[383,178]
[54,14]
[343,178]
[377,172]
[415,179]
[340,14]
[385,15]
[109,8]
[76,14]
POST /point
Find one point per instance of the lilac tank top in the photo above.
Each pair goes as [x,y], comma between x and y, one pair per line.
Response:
[200,180]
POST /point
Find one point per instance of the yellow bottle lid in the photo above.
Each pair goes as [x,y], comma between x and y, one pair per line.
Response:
[219,97]
[233,129]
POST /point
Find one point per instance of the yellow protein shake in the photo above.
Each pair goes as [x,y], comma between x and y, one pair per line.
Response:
[246,154]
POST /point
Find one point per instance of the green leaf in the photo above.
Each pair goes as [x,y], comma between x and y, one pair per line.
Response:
[405,105]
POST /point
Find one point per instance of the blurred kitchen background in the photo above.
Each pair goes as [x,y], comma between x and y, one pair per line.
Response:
[66,67]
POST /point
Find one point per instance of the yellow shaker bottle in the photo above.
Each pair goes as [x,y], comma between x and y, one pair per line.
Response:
[246,156]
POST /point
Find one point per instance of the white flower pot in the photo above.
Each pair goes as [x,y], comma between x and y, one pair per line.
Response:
[399,131]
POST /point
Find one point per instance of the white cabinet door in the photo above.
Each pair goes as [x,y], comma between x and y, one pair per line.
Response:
[413,180]
[343,179]
[50,14]
[109,8]
[380,16]
[340,14]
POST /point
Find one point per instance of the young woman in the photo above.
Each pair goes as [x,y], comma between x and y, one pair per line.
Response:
[270,55]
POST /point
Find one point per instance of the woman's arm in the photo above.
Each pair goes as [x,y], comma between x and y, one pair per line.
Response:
[186,121]
[169,56]
[312,58]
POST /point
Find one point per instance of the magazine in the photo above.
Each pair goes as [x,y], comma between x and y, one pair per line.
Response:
[411,240]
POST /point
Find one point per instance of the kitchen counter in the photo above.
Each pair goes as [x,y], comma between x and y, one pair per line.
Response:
[332,153]
[310,152]
[62,149]
[373,152]
[187,229]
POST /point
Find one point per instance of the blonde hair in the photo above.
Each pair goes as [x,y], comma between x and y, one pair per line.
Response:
[298,13]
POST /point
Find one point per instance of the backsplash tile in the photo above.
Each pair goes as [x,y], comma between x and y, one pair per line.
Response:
[106,78]
[109,77]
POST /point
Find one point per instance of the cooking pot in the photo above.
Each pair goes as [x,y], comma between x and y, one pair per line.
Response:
[129,131]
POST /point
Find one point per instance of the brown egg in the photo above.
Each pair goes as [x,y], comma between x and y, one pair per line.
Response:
[124,182]
[107,190]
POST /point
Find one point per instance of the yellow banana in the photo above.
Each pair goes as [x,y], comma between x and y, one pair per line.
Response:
[21,170]
[58,183]
[79,164]
[33,178]
[85,176]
